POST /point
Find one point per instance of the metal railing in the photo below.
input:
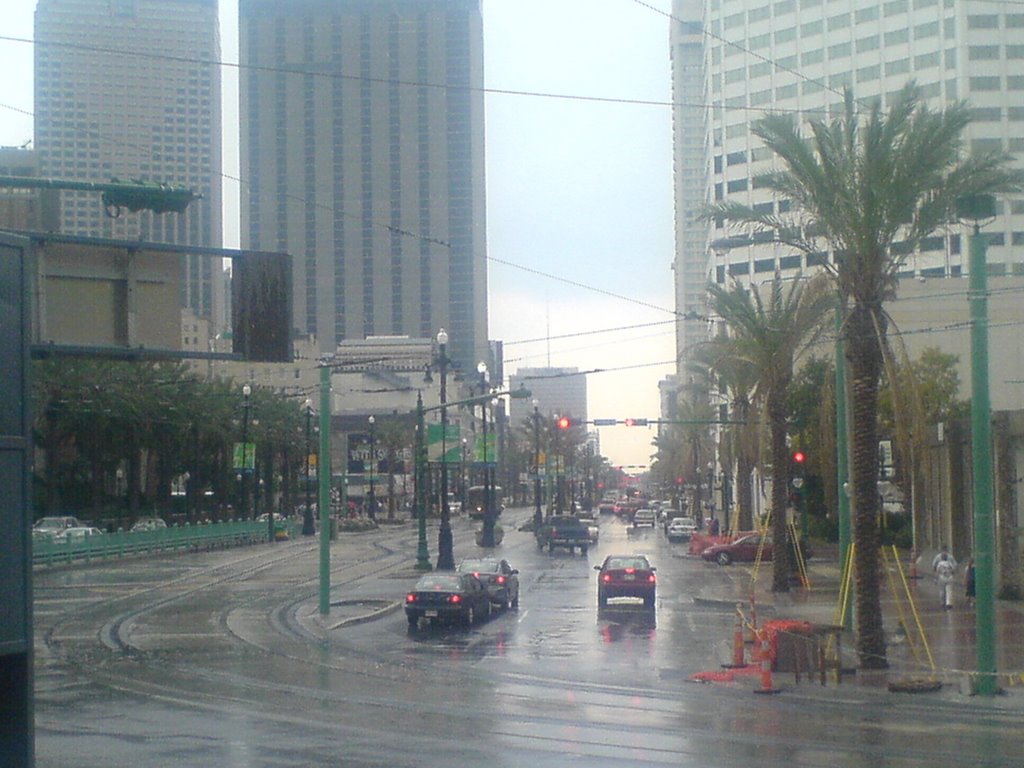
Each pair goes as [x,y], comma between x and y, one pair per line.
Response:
[105,546]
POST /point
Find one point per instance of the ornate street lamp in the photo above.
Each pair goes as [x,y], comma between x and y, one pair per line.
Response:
[538,515]
[487,535]
[370,500]
[308,528]
[445,555]
[244,468]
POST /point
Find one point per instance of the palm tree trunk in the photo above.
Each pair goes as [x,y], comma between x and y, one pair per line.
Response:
[780,491]
[864,356]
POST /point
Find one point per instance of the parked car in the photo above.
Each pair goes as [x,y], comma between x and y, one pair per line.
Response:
[148,524]
[447,597]
[499,578]
[745,550]
[57,523]
[680,529]
[626,576]
[77,534]
[645,516]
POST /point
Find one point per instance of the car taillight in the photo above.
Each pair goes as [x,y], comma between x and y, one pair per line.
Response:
[455,599]
[476,574]
[501,579]
[651,578]
[606,578]
[410,598]
[631,570]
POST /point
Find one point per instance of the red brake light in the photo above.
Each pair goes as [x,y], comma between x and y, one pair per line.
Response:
[476,574]
[631,570]
[501,579]
[651,578]
[606,578]
[455,599]
[410,598]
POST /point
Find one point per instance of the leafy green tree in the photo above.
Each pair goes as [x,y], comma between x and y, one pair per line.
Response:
[856,187]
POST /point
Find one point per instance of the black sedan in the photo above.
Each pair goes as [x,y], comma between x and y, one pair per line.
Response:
[447,597]
[626,576]
[499,578]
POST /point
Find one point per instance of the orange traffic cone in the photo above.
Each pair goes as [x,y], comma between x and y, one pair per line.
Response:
[766,669]
[737,645]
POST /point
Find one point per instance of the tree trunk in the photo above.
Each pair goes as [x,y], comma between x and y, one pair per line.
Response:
[863,353]
[780,491]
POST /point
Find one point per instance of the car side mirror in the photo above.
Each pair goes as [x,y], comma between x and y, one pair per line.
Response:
[597,567]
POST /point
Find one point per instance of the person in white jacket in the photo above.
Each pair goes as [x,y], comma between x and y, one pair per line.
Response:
[944,566]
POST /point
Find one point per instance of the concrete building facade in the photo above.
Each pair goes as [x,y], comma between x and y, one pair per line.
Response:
[130,89]
[363,156]
[797,56]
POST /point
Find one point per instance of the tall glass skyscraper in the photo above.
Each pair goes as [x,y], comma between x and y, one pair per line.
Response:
[362,153]
[130,89]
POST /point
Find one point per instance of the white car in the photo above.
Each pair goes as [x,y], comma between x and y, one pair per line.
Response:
[645,517]
[680,529]
[148,524]
[78,534]
[593,527]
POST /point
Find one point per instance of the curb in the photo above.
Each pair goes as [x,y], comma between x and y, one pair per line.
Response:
[388,606]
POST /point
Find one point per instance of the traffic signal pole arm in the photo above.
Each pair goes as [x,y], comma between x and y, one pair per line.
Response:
[117,194]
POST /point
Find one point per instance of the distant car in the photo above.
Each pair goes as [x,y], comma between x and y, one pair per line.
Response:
[745,550]
[77,534]
[645,516]
[606,507]
[148,524]
[626,576]
[593,527]
[680,529]
[56,523]
[447,597]
[499,578]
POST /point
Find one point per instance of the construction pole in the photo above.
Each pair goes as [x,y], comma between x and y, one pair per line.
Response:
[981,455]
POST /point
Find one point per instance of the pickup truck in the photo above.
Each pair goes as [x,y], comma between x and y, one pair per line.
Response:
[565,531]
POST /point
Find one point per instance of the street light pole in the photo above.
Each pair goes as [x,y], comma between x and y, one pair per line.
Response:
[538,515]
[308,528]
[420,464]
[487,535]
[370,499]
[445,555]
[246,392]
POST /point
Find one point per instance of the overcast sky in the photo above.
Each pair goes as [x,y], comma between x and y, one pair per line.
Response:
[577,190]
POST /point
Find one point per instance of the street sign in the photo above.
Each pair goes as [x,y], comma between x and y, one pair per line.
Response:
[605,422]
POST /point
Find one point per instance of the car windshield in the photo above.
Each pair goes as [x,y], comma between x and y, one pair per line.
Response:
[621,563]
[438,582]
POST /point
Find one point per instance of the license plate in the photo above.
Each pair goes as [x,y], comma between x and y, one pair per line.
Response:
[430,614]
[629,577]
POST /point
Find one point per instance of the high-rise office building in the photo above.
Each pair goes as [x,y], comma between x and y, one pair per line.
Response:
[557,392]
[130,89]
[362,153]
[797,56]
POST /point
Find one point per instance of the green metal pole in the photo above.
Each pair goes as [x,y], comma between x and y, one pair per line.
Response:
[422,554]
[843,459]
[325,489]
[981,452]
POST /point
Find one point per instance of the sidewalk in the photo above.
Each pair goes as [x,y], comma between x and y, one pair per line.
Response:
[925,643]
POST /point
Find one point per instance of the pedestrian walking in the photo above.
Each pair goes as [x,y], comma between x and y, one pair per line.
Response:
[969,581]
[944,566]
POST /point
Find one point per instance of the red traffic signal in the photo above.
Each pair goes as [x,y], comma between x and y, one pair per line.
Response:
[564,422]
[799,457]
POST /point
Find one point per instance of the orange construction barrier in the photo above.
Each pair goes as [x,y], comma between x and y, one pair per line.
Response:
[737,644]
[766,668]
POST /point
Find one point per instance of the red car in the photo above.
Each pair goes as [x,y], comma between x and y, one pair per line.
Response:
[626,576]
[744,550]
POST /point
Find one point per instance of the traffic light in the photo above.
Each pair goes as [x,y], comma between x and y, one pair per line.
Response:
[799,458]
[635,422]
[564,422]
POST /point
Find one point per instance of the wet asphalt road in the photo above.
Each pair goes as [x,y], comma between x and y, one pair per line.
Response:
[218,659]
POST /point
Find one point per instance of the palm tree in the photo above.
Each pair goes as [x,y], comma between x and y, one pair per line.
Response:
[855,189]
[769,333]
